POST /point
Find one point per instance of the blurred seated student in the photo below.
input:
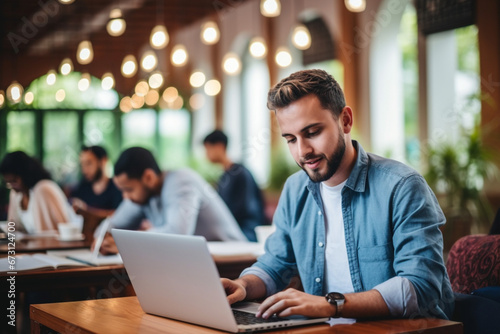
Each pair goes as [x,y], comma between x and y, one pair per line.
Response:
[96,193]
[236,186]
[36,202]
[177,201]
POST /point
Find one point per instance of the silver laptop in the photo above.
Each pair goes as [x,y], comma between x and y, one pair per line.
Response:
[174,276]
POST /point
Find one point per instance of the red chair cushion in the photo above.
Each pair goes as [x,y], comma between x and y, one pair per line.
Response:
[474,262]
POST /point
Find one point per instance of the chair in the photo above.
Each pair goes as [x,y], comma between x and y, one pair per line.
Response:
[473,266]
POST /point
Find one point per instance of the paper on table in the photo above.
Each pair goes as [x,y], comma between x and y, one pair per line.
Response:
[228,248]
[37,261]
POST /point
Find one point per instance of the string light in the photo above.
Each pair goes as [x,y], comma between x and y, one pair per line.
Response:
[283,57]
[210,33]
[129,66]
[51,77]
[159,37]
[301,37]
[179,55]
[116,25]
[107,81]
[155,80]
[258,47]
[212,87]
[197,79]
[29,97]
[15,92]
[85,53]
[231,63]
[149,61]
[270,8]
[66,66]
[355,6]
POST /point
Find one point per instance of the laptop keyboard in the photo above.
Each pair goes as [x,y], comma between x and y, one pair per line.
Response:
[245,318]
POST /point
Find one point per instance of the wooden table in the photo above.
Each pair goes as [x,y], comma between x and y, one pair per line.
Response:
[42,244]
[124,315]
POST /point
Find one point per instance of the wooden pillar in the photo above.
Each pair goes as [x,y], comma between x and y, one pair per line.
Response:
[488,23]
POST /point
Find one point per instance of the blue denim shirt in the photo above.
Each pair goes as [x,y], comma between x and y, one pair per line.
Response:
[391,221]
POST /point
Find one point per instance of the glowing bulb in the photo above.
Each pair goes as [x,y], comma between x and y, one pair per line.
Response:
[179,55]
[210,33]
[197,79]
[126,104]
[149,61]
[152,97]
[2,98]
[29,97]
[258,48]
[301,38]
[60,95]
[137,101]
[66,2]
[355,6]
[155,80]
[84,82]
[270,8]
[283,57]
[170,94]
[142,88]
[66,66]
[15,92]
[116,25]
[85,53]
[159,37]
[51,77]
[129,66]
[107,81]
[212,87]
[231,63]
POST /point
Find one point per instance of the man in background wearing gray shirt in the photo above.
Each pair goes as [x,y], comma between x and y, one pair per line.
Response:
[178,201]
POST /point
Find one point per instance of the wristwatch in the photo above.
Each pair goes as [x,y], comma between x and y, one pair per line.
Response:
[337,299]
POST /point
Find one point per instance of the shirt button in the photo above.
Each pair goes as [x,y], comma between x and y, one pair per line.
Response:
[320,244]
[319,213]
[318,279]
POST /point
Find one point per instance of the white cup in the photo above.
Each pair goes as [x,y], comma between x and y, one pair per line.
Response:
[68,231]
[263,232]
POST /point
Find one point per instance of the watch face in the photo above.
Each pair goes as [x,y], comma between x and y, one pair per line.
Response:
[334,296]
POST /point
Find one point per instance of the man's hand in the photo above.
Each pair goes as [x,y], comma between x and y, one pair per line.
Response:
[235,290]
[108,245]
[295,302]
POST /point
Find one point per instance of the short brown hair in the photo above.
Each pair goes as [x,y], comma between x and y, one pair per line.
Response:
[302,83]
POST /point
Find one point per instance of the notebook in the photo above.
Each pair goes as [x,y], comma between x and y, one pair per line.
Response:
[94,258]
[174,276]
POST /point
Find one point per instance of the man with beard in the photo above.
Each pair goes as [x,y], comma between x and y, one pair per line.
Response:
[96,193]
[176,201]
[360,231]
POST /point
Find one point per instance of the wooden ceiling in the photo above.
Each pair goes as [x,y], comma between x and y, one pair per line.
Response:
[37,35]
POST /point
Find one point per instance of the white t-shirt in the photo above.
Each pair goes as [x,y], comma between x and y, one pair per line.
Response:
[337,273]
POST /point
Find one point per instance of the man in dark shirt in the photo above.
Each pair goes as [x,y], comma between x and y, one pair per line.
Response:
[96,192]
[236,186]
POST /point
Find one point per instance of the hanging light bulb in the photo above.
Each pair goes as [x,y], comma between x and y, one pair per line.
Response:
[66,2]
[258,47]
[142,88]
[126,104]
[179,55]
[51,77]
[270,8]
[116,25]
[152,97]
[159,37]
[170,94]
[84,82]
[2,98]
[129,66]
[155,80]
[107,81]
[85,53]
[149,61]
[210,33]
[29,97]
[15,92]
[60,95]
[66,66]
[197,79]
[301,37]
[212,87]
[137,101]
[355,6]
[231,63]
[283,57]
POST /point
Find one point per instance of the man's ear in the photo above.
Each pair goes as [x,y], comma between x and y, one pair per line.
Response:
[148,177]
[346,119]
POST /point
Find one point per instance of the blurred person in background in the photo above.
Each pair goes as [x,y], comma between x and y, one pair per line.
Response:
[96,193]
[236,186]
[36,203]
